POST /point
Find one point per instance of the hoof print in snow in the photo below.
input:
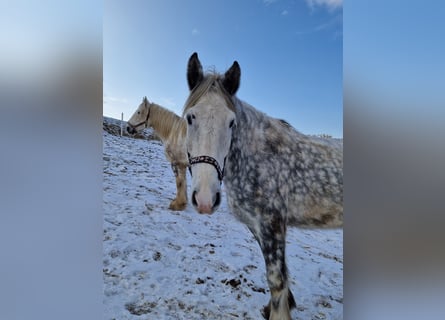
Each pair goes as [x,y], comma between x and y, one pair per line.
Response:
[139,309]
[199,281]
[247,269]
[256,289]
[233,282]
[322,302]
[149,208]
[157,256]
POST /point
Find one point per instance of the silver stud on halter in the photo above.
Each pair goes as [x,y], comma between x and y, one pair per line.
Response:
[208,160]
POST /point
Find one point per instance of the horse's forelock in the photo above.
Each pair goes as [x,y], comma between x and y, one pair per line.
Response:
[212,82]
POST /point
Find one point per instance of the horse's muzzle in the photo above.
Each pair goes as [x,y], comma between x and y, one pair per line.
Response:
[131,130]
[203,206]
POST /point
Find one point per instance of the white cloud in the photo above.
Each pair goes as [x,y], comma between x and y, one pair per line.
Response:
[108,99]
[333,24]
[284,13]
[267,2]
[330,4]
[114,106]
[167,102]
[337,20]
[195,32]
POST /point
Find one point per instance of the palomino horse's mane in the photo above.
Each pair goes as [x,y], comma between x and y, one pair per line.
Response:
[165,122]
[210,83]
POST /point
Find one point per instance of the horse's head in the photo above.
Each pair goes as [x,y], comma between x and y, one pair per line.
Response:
[140,118]
[210,115]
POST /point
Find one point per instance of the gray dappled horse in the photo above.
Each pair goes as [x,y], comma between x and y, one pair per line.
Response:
[274,176]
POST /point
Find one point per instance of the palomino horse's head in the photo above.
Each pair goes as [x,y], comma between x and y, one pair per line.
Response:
[140,118]
[210,115]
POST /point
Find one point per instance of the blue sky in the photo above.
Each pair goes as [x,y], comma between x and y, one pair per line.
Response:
[290,53]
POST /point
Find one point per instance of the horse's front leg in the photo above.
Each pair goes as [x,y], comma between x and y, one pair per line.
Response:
[180,202]
[271,235]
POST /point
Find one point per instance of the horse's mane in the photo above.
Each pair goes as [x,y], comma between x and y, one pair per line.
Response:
[212,82]
[164,121]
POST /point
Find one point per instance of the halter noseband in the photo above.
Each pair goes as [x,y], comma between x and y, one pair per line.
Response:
[208,160]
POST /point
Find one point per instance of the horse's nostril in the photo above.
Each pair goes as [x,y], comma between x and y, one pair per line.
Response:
[194,199]
[217,200]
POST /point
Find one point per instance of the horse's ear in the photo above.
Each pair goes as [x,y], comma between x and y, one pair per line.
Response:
[231,79]
[194,71]
[145,100]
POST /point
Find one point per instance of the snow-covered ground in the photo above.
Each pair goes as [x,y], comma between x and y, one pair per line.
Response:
[162,264]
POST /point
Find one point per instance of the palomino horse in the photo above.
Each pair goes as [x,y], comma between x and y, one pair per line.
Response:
[274,176]
[172,131]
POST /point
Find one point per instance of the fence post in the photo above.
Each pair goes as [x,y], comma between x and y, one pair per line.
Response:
[122,123]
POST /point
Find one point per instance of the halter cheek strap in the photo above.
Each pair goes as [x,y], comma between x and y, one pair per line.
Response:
[142,122]
[208,160]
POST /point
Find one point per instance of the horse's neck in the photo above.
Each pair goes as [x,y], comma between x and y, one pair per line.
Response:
[162,121]
[241,131]
[251,130]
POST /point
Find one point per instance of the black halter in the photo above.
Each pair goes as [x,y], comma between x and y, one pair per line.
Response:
[209,160]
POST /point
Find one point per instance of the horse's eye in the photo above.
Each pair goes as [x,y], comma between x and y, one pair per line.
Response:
[189,118]
[231,123]
[139,112]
